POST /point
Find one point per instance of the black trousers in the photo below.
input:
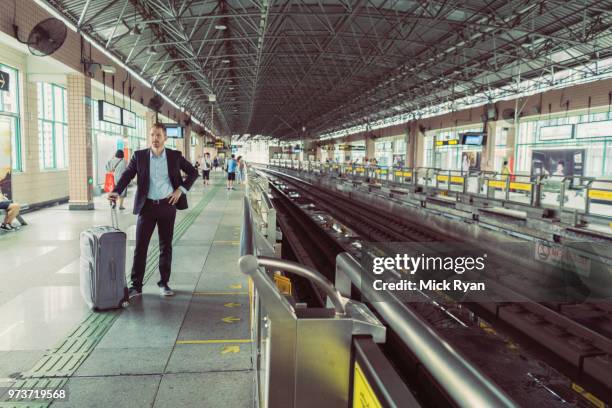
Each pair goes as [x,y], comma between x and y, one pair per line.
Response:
[163,215]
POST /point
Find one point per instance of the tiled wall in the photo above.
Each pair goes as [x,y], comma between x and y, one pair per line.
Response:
[31,185]
[79,139]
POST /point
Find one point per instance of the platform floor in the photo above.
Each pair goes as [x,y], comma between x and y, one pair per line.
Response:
[189,350]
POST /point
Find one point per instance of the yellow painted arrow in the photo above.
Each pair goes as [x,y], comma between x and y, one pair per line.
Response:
[230,319]
[230,349]
[236,286]
[232,304]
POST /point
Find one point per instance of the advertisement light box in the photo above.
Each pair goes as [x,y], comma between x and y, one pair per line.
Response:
[556,132]
[601,128]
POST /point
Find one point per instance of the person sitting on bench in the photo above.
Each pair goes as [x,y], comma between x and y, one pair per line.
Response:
[12,211]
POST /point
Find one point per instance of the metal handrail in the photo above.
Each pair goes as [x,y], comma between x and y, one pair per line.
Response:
[249,265]
[247,237]
[461,380]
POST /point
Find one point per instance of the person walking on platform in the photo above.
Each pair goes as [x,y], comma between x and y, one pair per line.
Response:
[232,165]
[240,170]
[160,191]
[206,167]
[215,163]
[117,166]
[505,171]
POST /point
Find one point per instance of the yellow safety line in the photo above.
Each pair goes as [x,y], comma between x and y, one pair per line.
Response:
[251,304]
[226,242]
[219,293]
[221,341]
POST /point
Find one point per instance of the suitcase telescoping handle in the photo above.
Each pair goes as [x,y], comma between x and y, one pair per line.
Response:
[114,216]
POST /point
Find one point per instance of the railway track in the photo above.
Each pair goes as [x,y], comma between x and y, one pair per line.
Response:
[561,329]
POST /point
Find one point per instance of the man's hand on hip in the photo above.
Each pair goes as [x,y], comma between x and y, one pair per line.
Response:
[174,197]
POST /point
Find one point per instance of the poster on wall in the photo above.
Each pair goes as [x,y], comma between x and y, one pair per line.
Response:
[5,159]
[550,163]
[470,161]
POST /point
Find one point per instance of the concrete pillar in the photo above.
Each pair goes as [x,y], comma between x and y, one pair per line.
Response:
[419,146]
[411,139]
[510,152]
[308,149]
[488,150]
[186,145]
[80,143]
[370,147]
[150,119]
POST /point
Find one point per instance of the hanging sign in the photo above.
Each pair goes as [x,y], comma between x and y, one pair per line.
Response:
[450,142]
[107,112]
[128,118]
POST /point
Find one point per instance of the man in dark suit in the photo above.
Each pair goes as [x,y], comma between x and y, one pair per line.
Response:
[160,191]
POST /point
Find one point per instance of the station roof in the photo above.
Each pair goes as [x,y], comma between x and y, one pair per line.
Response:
[277,66]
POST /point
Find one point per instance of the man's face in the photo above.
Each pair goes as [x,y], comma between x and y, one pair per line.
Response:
[158,137]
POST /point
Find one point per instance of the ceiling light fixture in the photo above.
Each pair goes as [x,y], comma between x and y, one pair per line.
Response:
[135,30]
[152,50]
[220,27]
[225,61]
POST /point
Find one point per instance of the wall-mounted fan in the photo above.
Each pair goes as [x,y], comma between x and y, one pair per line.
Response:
[45,38]
[156,103]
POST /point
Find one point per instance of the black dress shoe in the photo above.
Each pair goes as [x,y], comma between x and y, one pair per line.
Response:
[133,292]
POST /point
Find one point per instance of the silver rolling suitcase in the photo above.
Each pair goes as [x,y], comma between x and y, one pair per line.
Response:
[102,266]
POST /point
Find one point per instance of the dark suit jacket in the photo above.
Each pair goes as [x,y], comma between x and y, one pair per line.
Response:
[139,166]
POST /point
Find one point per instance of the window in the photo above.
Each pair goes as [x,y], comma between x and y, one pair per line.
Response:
[137,137]
[9,115]
[52,126]
[383,151]
[449,157]
[596,147]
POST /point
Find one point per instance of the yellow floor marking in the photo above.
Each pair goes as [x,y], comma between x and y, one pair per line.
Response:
[230,349]
[251,303]
[226,242]
[230,319]
[219,293]
[236,286]
[232,304]
[220,341]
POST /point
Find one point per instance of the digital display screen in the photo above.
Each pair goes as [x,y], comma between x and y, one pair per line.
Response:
[128,118]
[473,139]
[107,112]
[174,131]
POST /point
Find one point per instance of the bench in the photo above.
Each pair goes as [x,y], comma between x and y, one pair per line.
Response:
[20,219]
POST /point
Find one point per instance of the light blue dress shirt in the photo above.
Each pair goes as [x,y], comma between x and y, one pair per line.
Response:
[160,186]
